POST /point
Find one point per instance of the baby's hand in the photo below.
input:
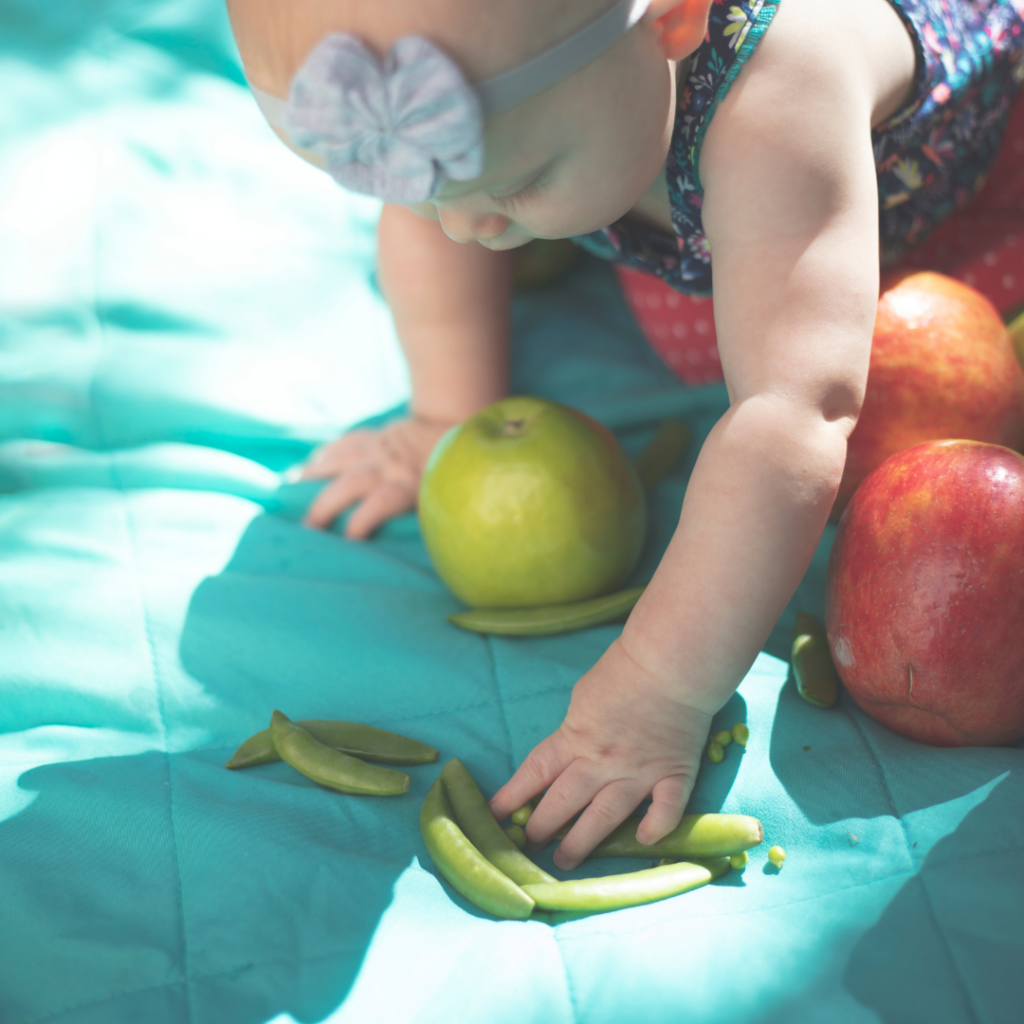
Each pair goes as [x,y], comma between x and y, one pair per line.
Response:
[380,469]
[624,737]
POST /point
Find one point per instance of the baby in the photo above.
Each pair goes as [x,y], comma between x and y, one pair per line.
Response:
[803,143]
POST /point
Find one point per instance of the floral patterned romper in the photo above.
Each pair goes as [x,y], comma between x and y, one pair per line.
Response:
[932,157]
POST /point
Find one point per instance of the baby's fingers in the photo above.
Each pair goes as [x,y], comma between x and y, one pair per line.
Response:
[384,502]
[339,494]
[668,798]
[331,459]
[542,766]
[611,806]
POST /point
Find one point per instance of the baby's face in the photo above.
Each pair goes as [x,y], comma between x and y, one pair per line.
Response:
[572,159]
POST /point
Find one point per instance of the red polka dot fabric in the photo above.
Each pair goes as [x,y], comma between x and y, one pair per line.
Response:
[983,245]
[680,328]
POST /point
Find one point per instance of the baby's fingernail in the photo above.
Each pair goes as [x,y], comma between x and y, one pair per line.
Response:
[293,475]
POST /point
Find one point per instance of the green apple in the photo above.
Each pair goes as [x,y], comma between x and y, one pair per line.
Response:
[531,503]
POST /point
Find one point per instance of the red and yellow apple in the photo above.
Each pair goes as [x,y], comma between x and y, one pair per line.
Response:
[925,594]
[942,365]
[531,503]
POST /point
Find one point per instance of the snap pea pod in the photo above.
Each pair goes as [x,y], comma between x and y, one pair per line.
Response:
[463,864]
[697,835]
[813,670]
[363,741]
[613,892]
[1016,329]
[665,449]
[474,817]
[547,620]
[330,767]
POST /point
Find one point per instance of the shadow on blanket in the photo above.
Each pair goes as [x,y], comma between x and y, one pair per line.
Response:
[231,910]
[957,920]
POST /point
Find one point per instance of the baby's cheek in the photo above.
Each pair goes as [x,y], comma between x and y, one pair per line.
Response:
[588,207]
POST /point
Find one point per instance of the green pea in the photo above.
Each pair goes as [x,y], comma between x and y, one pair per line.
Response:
[549,619]
[613,892]
[723,738]
[777,855]
[517,834]
[740,733]
[462,864]
[738,861]
[715,752]
[667,860]
[474,817]
[697,836]
[363,741]
[816,679]
[330,767]
[522,815]
[665,449]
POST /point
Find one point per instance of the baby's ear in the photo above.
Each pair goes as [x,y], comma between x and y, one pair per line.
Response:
[682,24]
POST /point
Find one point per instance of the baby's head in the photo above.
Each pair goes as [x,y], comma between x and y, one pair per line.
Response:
[570,159]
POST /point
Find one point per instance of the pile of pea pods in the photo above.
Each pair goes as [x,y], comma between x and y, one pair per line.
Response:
[473,852]
[484,862]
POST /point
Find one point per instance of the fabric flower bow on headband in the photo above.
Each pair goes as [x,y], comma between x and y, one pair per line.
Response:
[394,130]
[399,129]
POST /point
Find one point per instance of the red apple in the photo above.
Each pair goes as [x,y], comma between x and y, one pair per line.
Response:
[924,597]
[942,365]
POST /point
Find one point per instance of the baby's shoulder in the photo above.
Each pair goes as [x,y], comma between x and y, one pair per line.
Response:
[816,49]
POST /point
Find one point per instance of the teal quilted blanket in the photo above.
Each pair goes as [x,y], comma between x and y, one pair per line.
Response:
[186,310]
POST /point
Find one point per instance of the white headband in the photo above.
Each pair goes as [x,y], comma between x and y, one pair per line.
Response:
[399,129]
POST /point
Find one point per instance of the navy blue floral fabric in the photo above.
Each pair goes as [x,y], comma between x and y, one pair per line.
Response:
[932,157]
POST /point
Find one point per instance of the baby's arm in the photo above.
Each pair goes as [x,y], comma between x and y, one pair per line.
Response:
[450,305]
[791,213]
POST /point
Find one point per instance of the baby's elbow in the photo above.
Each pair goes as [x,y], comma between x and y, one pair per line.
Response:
[841,403]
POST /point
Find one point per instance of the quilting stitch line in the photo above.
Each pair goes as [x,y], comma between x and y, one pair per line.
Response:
[234,969]
[501,704]
[381,722]
[144,611]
